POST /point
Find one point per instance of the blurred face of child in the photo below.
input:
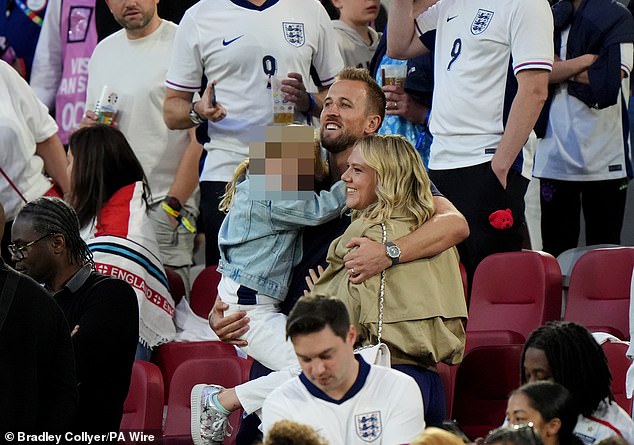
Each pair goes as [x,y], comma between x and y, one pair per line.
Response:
[360,180]
[283,167]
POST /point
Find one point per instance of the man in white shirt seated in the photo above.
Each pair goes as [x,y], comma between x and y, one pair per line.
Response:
[344,398]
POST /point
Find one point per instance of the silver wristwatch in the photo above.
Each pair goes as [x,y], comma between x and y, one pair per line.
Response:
[196,118]
[393,252]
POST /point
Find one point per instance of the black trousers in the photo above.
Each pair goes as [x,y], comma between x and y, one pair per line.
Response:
[210,195]
[603,204]
[476,192]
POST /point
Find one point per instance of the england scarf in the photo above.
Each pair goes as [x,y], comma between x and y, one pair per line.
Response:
[123,245]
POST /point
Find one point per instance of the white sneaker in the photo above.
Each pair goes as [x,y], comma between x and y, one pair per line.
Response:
[209,425]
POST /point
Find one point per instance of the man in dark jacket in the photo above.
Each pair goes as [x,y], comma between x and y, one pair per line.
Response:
[38,390]
[101,310]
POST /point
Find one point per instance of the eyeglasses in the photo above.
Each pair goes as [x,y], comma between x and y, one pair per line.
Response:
[19,252]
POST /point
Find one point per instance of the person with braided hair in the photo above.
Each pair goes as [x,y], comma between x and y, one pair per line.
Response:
[101,310]
[38,388]
[566,353]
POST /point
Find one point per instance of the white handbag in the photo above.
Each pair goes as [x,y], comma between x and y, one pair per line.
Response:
[378,354]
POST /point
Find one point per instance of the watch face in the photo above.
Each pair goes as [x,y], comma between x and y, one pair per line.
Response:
[393,251]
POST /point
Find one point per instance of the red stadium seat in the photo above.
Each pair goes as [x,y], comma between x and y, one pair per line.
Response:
[619,363]
[512,294]
[204,291]
[143,407]
[599,291]
[170,356]
[225,371]
[568,258]
[176,285]
[484,380]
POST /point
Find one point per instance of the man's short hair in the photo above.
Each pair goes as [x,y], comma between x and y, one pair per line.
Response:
[312,314]
[376,96]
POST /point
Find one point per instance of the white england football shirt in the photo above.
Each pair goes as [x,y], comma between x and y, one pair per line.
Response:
[384,406]
[475,41]
[240,45]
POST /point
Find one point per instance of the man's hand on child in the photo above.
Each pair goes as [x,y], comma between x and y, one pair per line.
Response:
[229,329]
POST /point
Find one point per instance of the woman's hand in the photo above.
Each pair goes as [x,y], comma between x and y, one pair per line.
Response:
[400,103]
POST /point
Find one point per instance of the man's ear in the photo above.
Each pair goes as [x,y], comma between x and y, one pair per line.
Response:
[58,242]
[351,336]
[373,124]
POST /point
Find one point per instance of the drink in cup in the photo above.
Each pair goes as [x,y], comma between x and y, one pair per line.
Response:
[283,110]
[107,106]
[394,74]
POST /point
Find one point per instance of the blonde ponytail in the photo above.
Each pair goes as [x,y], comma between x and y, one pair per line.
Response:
[230,189]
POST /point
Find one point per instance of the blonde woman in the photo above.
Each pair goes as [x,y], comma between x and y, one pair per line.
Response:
[424,306]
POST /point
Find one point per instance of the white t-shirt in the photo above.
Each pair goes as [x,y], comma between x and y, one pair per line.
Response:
[608,420]
[239,45]
[583,143]
[384,406]
[135,70]
[475,41]
[24,122]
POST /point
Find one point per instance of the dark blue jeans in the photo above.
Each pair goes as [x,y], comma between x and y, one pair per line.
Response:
[433,392]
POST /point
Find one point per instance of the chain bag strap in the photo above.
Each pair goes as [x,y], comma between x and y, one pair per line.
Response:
[378,354]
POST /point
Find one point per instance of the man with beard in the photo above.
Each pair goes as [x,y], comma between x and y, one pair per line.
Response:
[354,107]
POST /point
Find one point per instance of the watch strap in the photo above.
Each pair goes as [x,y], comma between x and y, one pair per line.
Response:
[196,118]
[395,259]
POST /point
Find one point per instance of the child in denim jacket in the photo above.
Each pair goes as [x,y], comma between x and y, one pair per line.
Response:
[260,239]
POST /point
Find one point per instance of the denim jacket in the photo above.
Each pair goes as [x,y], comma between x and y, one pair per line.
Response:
[260,241]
